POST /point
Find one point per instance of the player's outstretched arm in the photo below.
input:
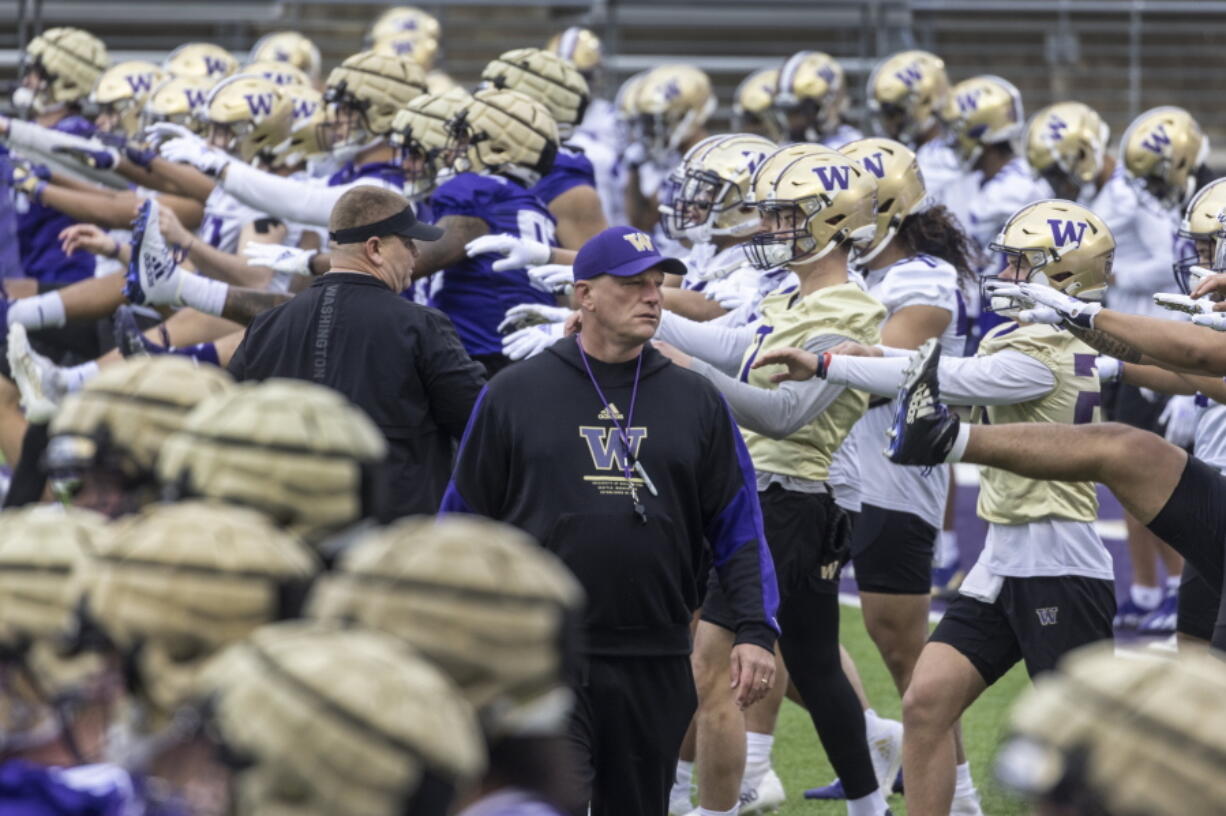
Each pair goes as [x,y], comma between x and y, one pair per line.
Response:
[1178,346]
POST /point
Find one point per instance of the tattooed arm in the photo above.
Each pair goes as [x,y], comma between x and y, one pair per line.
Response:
[242,305]
[1177,346]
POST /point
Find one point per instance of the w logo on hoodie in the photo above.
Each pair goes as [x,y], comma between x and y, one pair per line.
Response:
[605,446]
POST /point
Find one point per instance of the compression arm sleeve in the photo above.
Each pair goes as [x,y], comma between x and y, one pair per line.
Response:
[288,199]
[720,346]
[36,140]
[777,412]
[998,379]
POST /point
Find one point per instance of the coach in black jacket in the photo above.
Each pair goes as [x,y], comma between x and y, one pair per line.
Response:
[632,471]
[352,331]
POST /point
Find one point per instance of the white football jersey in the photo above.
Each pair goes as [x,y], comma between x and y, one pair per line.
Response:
[982,207]
[1210,442]
[224,217]
[597,136]
[921,280]
[938,164]
[843,134]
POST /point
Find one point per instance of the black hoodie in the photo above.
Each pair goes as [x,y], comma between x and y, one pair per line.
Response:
[541,453]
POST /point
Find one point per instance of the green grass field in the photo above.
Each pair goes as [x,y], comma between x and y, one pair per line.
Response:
[801,763]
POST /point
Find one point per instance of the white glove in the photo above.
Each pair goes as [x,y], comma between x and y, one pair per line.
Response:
[161,132]
[1184,303]
[532,340]
[207,160]
[730,297]
[1047,304]
[1180,415]
[532,314]
[1214,320]
[552,277]
[520,252]
[1109,368]
[280,258]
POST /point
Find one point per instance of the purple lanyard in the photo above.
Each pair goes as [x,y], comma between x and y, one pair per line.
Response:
[640,509]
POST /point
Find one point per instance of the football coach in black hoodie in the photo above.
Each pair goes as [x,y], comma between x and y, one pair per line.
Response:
[632,471]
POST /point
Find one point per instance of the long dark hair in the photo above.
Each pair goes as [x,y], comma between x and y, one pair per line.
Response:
[936,232]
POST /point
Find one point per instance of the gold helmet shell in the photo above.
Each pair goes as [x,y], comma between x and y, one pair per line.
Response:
[290,47]
[296,451]
[1162,150]
[1204,225]
[900,188]
[306,117]
[281,74]
[812,82]
[181,100]
[812,200]
[404,20]
[713,195]
[547,78]
[70,60]
[907,93]
[1132,733]
[201,60]
[983,110]
[438,82]
[673,102]
[373,86]
[1069,139]
[506,132]
[179,582]
[123,416]
[578,46]
[252,113]
[422,136]
[337,720]
[422,50]
[752,105]
[1071,246]
[123,89]
[481,599]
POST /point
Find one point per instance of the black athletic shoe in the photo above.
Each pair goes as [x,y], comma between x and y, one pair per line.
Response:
[129,338]
[924,429]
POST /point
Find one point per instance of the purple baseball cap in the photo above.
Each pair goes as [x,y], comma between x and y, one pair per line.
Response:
[624,252]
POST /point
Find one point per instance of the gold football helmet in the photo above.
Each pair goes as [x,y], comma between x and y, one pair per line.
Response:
[672,102]
[438,82]
[983,110]
[1120,733]
[121,93]
[421,50]
[1162,150]
[404,20]
[306,115]
[545,77]
[290,47]
[1071,246]
[1204,224]
[625,107]
[578,46]
[752,105]
[811,97]
[1066,144]
[248,117]
[296,451]
[181,100]
[201,60]
[712,198]
[363,95]
[423,139]
[181,581]
[59,68]
[505,132]
[281,74]
[906,94]
[812,200]
[900,188]
[481,599]
[330,720]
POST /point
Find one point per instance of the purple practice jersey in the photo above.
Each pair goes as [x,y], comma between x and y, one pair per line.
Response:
[390,173]
[39,227]
[570,169]
[27,789]
[472,294]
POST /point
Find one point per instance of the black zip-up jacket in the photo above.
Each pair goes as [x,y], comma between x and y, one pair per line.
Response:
[400,362]
[540,452]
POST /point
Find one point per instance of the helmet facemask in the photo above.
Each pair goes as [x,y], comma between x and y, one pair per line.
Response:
[33,94]
[345,132]
[786,237]
[702,200]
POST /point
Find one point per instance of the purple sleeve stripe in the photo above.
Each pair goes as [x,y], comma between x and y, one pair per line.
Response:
[453,502]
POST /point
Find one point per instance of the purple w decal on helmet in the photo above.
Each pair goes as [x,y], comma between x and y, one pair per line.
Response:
[213,65]
[1067,232]
[139,83]
[910,75]
[875,164]
[832,177]
[1156,140]
[260,104]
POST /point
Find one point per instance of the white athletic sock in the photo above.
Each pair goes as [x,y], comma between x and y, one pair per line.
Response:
[947,549]
[872,724]
[757,757]
[871,805]
[702,811]
[1172,584]
[72,378]
[959,448]
[203,294]
[683,783]
[964,786]
[1146,597]
[45,311]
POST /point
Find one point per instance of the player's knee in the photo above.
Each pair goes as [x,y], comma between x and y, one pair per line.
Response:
[923,705]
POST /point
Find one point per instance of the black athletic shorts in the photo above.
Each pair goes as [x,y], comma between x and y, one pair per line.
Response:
[1125,403]
[1037,620]
[1193,521]
[892,551]
[808,540]
[1198,605]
